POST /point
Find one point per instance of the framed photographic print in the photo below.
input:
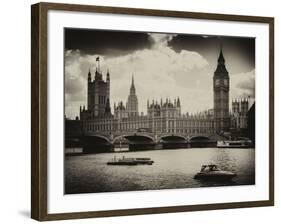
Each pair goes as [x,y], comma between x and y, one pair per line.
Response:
[138,111]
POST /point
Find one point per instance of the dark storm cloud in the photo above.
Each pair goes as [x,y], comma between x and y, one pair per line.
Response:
[110,43]
[241,51]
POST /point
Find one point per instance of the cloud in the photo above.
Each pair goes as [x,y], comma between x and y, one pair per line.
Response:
[75,83]
[243,85]
[160,39]
[158,72]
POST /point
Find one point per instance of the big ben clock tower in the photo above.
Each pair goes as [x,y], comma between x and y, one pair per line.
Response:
[221,95]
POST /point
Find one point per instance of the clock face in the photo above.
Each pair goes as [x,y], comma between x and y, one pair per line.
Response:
[217,82]
[225,82]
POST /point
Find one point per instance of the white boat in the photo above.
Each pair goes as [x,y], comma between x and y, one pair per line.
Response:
[234,144]
[213,173]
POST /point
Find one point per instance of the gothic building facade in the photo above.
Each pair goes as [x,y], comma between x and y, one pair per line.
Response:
[162,116]
[239,114]
[166,117]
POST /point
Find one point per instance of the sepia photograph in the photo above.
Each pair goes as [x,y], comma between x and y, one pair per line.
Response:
[153,111]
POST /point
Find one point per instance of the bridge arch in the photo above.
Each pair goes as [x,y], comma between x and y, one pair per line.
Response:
[134,137]
[95,143]
[97,138]
[172,137]
[199,138]
[118,137]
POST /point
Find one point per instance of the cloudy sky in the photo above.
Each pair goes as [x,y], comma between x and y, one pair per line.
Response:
[163,65]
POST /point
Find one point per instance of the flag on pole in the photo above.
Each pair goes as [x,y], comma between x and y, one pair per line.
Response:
[98,59]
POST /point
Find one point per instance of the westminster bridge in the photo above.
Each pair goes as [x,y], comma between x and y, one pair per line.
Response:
[101,142]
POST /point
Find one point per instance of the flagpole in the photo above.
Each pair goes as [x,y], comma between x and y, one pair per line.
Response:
[98,60]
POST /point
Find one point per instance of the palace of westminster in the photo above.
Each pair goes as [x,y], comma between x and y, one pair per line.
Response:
[163,116]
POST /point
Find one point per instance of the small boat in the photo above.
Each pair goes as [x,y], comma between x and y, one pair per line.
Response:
[212,172]
[147,161]
[130,161]
[234,144]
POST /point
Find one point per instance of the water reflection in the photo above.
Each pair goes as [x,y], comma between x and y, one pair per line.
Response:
[171,169]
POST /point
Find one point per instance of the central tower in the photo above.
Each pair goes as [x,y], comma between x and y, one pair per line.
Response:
[132,103]
[221,95]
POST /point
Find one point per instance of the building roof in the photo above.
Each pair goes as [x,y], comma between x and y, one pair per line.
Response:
[221,69]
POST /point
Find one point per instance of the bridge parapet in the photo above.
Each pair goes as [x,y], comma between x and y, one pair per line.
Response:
[210,136]
[112,137]
[133,133]
[97,133]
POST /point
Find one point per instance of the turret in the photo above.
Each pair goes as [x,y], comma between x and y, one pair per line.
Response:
[178,102]
[244,106]
[107,76]
[235,107]
[108,85]
[107,108]
[89,76]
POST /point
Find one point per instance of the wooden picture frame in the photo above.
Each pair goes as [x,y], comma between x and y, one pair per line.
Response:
[39,109]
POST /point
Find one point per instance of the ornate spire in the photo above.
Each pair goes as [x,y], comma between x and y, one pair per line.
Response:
[221,57]
[221,69]
[132,89]
[178,102]
[89,76]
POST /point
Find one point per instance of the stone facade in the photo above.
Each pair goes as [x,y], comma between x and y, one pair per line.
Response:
[239,115]
[166,117]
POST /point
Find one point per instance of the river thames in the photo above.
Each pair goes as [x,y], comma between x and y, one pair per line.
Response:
[89,173]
